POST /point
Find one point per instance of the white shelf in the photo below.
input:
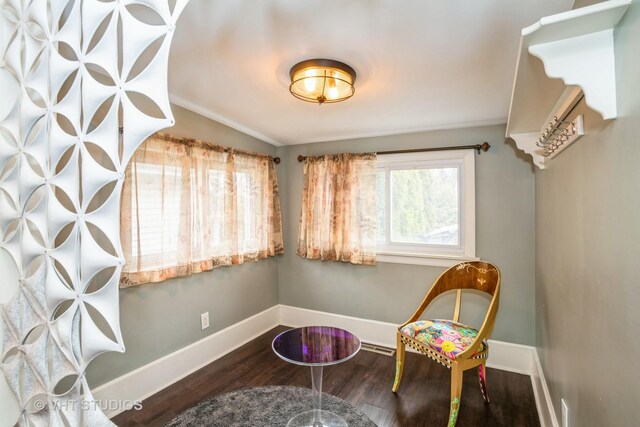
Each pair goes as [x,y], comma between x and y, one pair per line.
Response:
[560,55]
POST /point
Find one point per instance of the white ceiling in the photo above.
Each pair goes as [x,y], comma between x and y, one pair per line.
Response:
[421,64]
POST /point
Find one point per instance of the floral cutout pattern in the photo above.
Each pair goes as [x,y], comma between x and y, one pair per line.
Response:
[62,163]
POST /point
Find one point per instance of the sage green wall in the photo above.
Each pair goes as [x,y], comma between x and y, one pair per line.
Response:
[587,247]
[158,319]
[391,292]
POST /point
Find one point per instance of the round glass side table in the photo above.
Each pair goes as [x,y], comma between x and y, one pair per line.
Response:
[316,347]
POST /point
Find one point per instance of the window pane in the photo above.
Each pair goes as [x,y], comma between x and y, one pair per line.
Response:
[381,202]
[424,206]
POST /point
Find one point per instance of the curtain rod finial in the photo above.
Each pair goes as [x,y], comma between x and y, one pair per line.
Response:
[276,160]
[484,147]
[301,158]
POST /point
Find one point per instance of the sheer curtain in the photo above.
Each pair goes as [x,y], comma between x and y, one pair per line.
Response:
[190,206]
[338,219]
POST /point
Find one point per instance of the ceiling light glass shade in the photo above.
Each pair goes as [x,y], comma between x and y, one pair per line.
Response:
[322,81]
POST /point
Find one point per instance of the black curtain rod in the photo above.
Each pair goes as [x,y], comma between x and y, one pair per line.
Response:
[276,160]
[478,147]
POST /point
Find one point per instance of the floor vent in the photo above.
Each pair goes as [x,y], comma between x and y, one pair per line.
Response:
[378,349]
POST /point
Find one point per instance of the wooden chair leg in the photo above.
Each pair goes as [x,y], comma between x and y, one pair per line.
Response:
[482,376]
[456,393]
[399,364]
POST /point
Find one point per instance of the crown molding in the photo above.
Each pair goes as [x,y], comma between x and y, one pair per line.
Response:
[205,112]
[405,131]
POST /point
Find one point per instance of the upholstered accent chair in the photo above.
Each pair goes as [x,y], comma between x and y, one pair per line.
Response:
[455,345]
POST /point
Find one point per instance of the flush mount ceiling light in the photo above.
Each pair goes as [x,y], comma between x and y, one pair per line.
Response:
[322,81]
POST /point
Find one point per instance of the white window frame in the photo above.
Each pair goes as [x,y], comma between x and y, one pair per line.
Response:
[435,255]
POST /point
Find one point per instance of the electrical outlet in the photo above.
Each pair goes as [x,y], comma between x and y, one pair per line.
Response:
[204,320]
[565,413]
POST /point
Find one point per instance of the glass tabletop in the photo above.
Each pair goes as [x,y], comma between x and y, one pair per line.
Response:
[316,345]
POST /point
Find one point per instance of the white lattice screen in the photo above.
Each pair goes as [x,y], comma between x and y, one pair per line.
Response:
[84,69]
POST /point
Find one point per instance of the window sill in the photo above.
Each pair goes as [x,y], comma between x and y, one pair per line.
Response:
[423,259]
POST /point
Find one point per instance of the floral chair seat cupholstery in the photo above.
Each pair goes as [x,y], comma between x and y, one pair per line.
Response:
[444,336]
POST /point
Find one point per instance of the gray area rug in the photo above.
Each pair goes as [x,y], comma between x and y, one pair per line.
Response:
[270,406]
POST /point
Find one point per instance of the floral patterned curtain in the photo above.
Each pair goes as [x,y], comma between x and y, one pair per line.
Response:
[189,206]
[338,219]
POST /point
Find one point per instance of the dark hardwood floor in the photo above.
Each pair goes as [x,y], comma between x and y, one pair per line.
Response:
[364,381]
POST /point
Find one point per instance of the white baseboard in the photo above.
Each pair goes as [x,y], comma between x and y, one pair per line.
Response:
[521,359]
[503,355]
[546,411]
[147,380]
[370,331]
[510,357]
